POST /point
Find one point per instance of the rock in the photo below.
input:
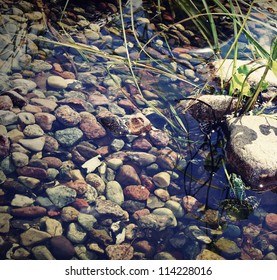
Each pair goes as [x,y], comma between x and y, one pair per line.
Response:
[15,135]
[51,144]
[91,127]
[252,150]
[53,162]
[7,117]
[67,116]
[198,234]
[145,247]
[86,221]
[69,214]
[45,120]
[46,104]
[29,212]
[154,202]
[120,252]
[114,163]
[159,138]
[209,107]
[141,144]
[127,175]
[21,201]
[132,206]
[5,222]
[69,136]
[61,195]
[57,82]
[271,221]
[90,195]
[75,233]
[97,182]
[141,158]
[164,256]
[53,227]
[206,254]
[98,99]
[117,145]
[227,248]
[80,186]
[42,253]
[62,248]
[92,164]
[17,99]
[114,192]
[162,194]
[33,236]
[33,130]
[35,172]
[109,208]
[137,123]
[167,159]
[24,83]
[101,236]
[5,103]
[158,221]
[136,192]
[162,179]
[191,204]
[83,254]
[175,207]
[4,146]
[232,231]
[35,145]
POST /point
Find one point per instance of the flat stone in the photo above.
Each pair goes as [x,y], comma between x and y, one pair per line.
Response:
[159,138]
[61,195]
[127,175]
[57,82]
[7,117]
[109,208]
[30,211]
[161,179]
[141,158]
[175,207]
[86,221]
[120,252]
[35,145]
[167,159]
[209,107]
[114,192]
[33,131]
[5,222]
[67,116]
[227,248]
[69,214]
[45,120]
[252,150]
[92,128]
[136,192]
[69,136]
[42,253]
[198,234]
[271,221]
[97,182]
[26,118]
[53,227]
[206,254]
[33,236]
[76,233]
[28,84]
[62,248]
[21,201]
[48,104]
[5,103]
[29,171]
[141,144]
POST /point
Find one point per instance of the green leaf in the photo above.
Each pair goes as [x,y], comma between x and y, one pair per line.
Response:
[274,67]
[239,84]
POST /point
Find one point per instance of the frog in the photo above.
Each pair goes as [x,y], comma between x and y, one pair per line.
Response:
[238,187]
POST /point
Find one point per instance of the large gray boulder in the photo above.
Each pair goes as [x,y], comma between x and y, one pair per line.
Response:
[252,150]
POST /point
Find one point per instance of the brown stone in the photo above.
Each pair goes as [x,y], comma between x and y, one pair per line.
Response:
[159,138]
[34,172]
[145,247]
[51,144]
[120,252]
[4,146]
[53,162]
[127,175]
[31,211]
[80,186]
[167,159]
[92,128]
[271,221]
[67,116]
[141,144]
[80,203]
[5,102]
[62,248]
[136,192]
[45,120]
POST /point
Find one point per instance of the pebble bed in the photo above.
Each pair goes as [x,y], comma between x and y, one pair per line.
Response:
[84,172]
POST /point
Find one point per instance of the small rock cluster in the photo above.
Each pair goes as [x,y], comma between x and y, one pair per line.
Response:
[84,173]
